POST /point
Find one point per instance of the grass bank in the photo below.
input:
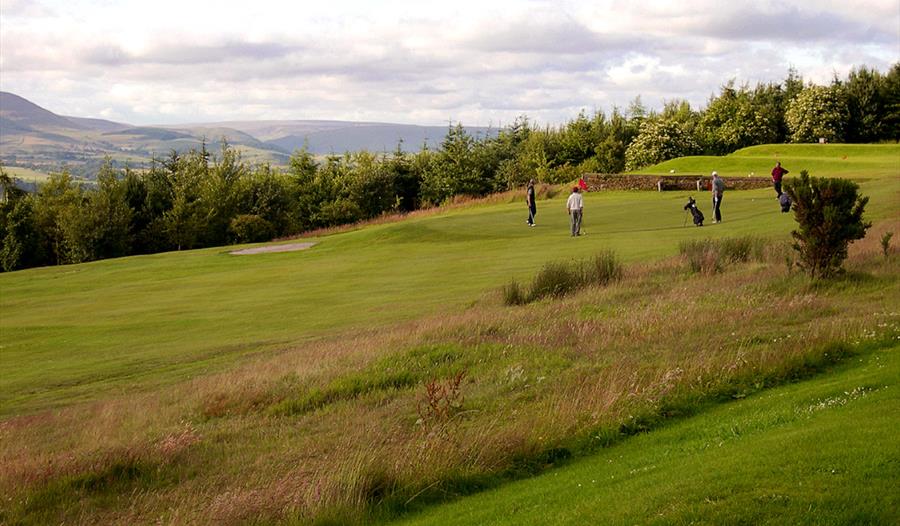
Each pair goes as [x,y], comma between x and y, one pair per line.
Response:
[377,422]
[822,451]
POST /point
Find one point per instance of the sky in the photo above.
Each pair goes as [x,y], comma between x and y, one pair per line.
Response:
[420,62]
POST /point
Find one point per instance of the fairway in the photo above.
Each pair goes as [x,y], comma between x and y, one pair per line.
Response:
[76,332]
[853,161]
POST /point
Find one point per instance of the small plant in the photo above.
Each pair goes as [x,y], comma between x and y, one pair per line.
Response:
[886,243]
[703,255]
[602,269]
[441,400]
[513,294]
[829,214]
[560,278]
[555,279]
[708,256]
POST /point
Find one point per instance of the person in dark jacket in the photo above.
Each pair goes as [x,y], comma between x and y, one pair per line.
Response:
[718,190]
[529,200]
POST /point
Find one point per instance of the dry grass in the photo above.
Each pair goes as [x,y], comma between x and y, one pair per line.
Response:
[516,389]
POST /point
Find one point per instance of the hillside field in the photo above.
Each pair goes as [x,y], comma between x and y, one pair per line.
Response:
[379,370]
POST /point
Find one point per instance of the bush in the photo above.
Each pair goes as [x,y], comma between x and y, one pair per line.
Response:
[709,256]
[559,278]
[602,269]
[513,294]
[555,279]
[829,213]
[248,228]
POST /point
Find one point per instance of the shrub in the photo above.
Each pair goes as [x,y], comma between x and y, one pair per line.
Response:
[701,255]
[559,278]
[829,213]
[555,279]
[886,243]
[604,268]
[513,294]
[709,256]
[247,228]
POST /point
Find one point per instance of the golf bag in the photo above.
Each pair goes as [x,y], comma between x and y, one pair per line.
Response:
[695,212]
[785,201]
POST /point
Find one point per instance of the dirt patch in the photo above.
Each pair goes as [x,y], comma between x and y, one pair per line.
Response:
[290,247]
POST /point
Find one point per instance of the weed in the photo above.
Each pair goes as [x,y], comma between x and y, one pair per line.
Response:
[886,243]
[440,401]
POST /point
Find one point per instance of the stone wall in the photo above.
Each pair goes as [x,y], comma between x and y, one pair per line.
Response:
[600,182]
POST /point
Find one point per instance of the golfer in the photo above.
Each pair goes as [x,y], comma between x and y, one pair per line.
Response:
[718,190]
[529,200]
[777,174]
[575,207]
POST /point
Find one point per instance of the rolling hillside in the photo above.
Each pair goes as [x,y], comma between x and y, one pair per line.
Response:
[36,138]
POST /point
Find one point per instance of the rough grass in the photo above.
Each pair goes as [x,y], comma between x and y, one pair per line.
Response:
[817,452]
[333,431]
[558,278]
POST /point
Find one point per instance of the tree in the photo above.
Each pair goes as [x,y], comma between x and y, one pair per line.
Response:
[865,104]
[817,112]
[829,214]
[22,244]
[658,141]
[735,120]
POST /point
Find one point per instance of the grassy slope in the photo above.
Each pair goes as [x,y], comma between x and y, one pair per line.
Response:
[240,444]
[835,160]
[75,332]
[822,451]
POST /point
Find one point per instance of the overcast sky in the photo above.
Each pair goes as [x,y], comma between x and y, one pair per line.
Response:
[417,61]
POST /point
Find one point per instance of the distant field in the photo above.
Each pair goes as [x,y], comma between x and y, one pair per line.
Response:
[832,160]
[26,174]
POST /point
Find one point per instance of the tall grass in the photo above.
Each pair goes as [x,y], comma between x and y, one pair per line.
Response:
[556,279]
[709,256]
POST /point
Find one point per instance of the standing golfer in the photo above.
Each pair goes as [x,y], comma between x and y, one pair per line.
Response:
[718,189]
[575,207]
[777,174]
[529,200]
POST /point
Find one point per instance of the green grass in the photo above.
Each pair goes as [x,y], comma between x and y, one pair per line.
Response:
[76,332]
[833,160]
[823,451]
[380,370]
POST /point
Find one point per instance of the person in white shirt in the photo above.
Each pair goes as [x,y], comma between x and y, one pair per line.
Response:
[575,207]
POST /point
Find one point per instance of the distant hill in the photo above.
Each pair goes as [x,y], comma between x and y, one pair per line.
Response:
[36,138]
[100,125]
[24,113]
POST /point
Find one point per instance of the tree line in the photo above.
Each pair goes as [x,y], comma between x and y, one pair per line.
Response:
[202,198]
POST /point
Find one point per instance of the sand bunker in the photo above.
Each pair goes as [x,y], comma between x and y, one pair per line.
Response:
[290,247]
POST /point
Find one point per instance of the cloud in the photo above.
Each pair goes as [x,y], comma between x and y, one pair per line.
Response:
[413,62]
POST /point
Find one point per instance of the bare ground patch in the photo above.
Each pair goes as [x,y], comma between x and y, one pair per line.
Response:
[289,247]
